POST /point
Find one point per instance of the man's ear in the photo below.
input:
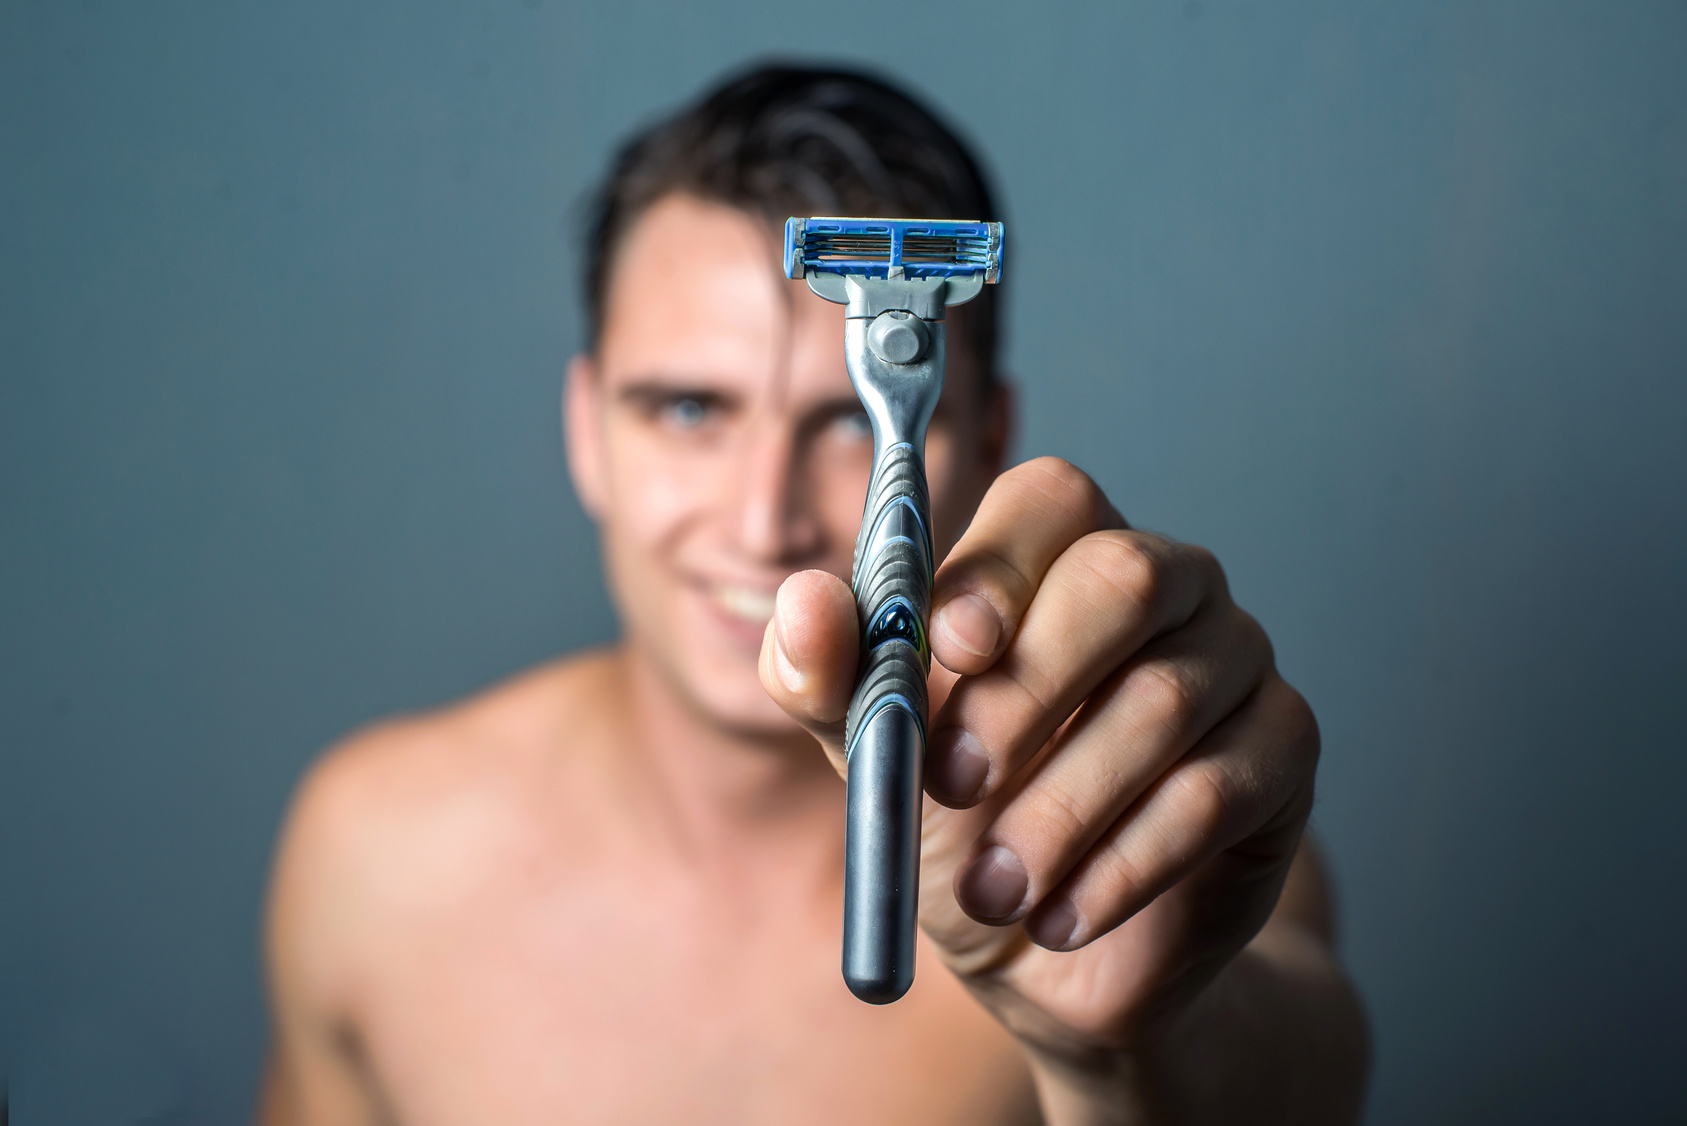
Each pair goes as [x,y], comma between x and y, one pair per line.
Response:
[582,431]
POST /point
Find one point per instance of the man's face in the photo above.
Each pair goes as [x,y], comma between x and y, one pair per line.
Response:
[716,440]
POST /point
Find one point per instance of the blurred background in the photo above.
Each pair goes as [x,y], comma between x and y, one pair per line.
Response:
[1387,304]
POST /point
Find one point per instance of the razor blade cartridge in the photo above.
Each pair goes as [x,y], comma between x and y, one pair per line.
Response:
[893,248]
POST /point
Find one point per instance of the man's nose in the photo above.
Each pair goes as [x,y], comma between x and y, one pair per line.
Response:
[777,521]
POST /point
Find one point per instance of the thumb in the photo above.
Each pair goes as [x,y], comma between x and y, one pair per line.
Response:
[808,655]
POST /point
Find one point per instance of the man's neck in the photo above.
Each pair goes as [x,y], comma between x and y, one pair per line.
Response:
[727,790]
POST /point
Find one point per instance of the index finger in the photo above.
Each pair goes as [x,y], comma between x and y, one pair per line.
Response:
[1031,514]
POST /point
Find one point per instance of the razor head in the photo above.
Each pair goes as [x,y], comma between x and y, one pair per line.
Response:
[893,248]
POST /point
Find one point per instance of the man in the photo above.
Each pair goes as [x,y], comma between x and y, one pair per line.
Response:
[610,889]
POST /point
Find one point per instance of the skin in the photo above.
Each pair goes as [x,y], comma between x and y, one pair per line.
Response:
[610,889]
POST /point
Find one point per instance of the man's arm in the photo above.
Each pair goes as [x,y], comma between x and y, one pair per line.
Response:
[314,1075]
[1279,1037]
[310,1079]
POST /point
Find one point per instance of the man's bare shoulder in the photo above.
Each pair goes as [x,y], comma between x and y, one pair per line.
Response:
[401,820]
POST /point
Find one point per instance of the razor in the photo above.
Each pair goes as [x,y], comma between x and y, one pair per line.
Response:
[895,278]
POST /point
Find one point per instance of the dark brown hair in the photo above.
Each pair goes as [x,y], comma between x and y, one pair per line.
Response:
[778,141]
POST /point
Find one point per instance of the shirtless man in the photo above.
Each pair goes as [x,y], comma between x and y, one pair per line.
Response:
[610,889]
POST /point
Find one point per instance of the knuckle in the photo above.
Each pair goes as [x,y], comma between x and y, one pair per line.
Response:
[1253,636]
[1205,796]
[1301,724]
[1168,693]
[1061,813]
[1206,562]
[1122,872]
[1066,485]
[1204,569]
[1125,564]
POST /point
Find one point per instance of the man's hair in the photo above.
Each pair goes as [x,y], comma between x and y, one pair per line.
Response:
[778,141]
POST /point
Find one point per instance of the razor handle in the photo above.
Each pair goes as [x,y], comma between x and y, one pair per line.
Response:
[895,277]
[885,727]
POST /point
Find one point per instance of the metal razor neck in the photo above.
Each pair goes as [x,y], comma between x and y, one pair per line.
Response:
[865,298]
[899,398]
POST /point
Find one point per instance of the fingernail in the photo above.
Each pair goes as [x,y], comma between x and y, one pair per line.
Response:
[970,623]
[993,886]
[956,767]
[1054,928]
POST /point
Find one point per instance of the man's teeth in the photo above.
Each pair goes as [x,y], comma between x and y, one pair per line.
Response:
[751,605]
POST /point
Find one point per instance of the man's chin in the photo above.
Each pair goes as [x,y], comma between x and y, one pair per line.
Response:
[745,711]
[714,672]
[728,696]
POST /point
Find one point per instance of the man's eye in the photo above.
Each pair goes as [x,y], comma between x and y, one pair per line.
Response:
[856,425]
[685,413]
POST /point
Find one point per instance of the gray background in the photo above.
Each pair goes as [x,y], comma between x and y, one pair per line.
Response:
[1385,303]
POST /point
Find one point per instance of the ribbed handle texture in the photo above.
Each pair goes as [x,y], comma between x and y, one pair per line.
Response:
[893,590]
[884,733]
[892,580]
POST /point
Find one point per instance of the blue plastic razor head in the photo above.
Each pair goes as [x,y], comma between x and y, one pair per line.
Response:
[889,248]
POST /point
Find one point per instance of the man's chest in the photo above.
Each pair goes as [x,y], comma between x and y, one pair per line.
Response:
[619,1008]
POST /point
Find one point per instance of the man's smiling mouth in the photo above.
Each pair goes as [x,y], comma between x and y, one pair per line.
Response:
[744,603]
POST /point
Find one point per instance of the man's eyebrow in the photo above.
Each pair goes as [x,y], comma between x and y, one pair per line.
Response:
[827,411]
[650,390]
[828,408]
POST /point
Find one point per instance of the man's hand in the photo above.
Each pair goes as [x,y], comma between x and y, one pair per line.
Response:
[1126,775]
